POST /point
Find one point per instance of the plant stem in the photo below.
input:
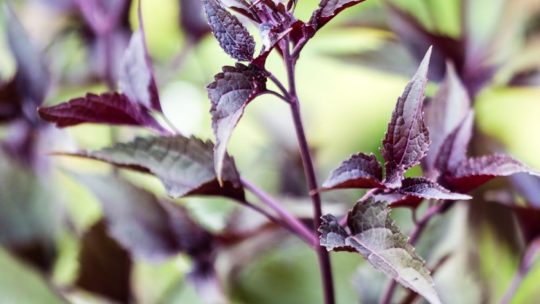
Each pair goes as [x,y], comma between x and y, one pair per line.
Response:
[415,235]
[288,219]
[525,266]
[309,170]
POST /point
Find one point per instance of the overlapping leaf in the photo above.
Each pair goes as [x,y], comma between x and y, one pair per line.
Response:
[136,73]
[328,9]
[147,227]
[426,189]
[105,267]
[453,150]
[359,171]
[107,108]
[407,138]
[444,114]
[184,165]
[230,93]
[232,36]
[377,238]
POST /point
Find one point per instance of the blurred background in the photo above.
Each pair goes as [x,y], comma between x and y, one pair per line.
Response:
[349,77]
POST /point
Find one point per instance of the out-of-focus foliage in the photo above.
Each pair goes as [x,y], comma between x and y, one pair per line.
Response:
[52,231]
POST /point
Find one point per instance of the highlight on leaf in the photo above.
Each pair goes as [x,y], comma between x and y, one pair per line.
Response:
[328,9]
[184,165]
[231,34]
[229,94]
[407,137]
[375,236]
[359,171]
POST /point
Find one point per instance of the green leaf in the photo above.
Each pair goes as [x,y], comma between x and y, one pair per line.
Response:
[184,165]
[377,238]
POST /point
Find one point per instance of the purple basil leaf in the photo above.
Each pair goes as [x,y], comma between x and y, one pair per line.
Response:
[426,189]
[184,165]
[147,227]
[107,108]
[328,9]
[231,34]
[417,39]
[104,266]
[32,77]
[230,93]
[444,114]
[376,237]
[136,73]
[476,171]
[192,20]
[529,220]
[525,78]
[359,171]
[453,150]
[333,235]
[396,199]
[407,138]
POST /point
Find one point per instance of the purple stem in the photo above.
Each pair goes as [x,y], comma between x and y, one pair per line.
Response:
[291,222]
[525,266]
[415,235]
[309,171]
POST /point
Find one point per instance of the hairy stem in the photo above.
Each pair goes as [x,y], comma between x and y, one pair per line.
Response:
[309,170]
[288,219]
[525,266]
[414,237]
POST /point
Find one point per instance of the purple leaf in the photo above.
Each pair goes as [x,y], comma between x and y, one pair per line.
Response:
[426,189]
[328,9]
[407,138]
[136,73]
[232,36]
[359,171]
[375,236]
[104,266]
[476,171]
[453,150]
[9,101]
[230,93]
[32,77]
[444,114]
[184,165]
[107,108]
[192,20]
[147,227]
[417,39]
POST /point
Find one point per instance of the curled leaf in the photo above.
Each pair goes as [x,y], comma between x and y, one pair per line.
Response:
[453,150]
[426,189]
[230,93]
[407,138]
[107,108]
[328,9]
[359,171]
[184,165]
[377,238]
[231,34]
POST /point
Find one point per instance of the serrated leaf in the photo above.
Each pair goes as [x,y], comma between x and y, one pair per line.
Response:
[184,165]
[328,9]
[107,108]
[332,234]
[453,150]
[475,171]
[231,34]
[104,266]
[407,138]
[230,93]
[359,171]
[444,114]
[377,238]
[136,78]
[149,228]
[426,189]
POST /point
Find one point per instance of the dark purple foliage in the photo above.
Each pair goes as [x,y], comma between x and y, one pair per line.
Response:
[107,108]
[359,171]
